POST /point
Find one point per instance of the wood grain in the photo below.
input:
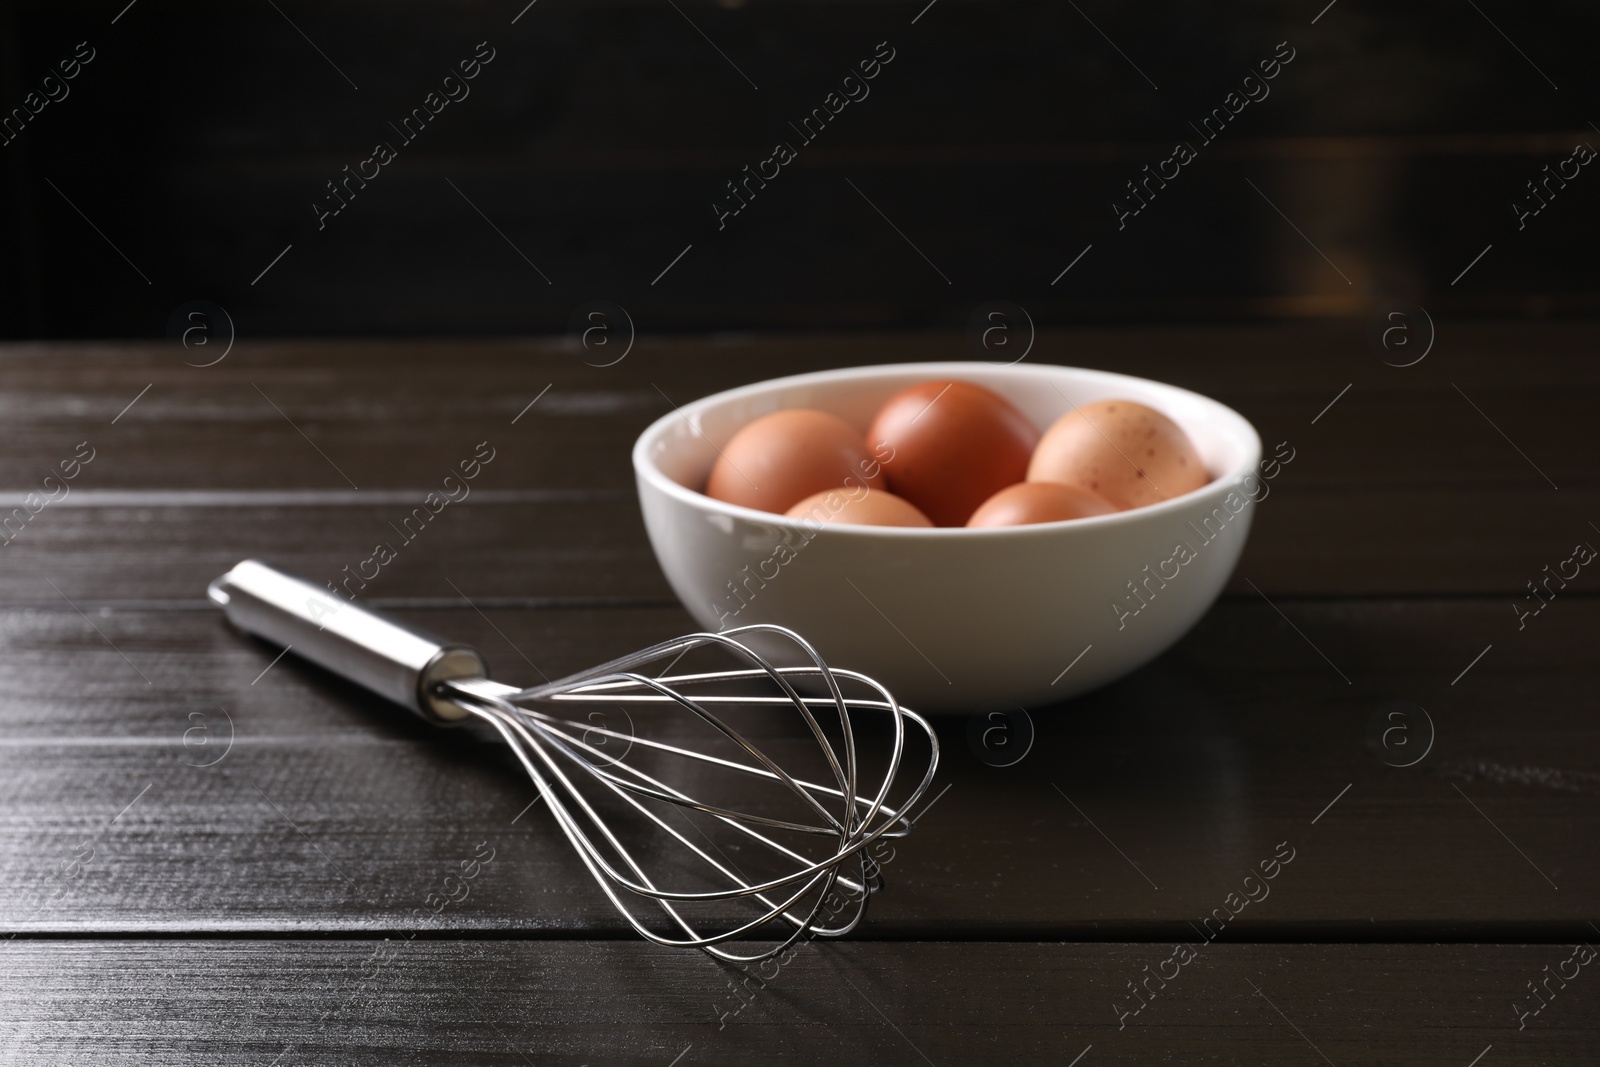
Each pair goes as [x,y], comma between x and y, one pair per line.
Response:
[161,777]
[399,415]
[537,547]
[422,1001]
[1401,487]
[598,139]
[331,809]
[209,855]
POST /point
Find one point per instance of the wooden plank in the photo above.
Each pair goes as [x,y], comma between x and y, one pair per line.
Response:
[599,137]
[1383,497]
[534,546]
[370,1002]
[496,546]
[1210,247]
[400,415]
[330,807]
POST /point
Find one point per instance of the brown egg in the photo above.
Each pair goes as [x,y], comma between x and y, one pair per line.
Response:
[1128,453]
[948,446]
[864,508]
[779,459]
[1029,502]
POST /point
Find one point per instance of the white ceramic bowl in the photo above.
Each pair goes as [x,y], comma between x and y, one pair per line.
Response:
[954,619]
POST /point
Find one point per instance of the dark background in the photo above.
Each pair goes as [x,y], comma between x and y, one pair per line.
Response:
[596,141]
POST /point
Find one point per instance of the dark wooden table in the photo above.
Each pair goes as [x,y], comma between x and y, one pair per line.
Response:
[209,858]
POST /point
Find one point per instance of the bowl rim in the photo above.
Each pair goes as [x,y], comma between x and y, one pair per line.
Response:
[646,469]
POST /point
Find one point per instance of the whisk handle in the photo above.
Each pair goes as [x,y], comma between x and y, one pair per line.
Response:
[370,649]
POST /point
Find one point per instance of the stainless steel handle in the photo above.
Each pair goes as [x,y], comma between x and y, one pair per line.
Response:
[386,656]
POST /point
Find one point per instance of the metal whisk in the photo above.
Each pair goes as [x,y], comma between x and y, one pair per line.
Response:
[812,849]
